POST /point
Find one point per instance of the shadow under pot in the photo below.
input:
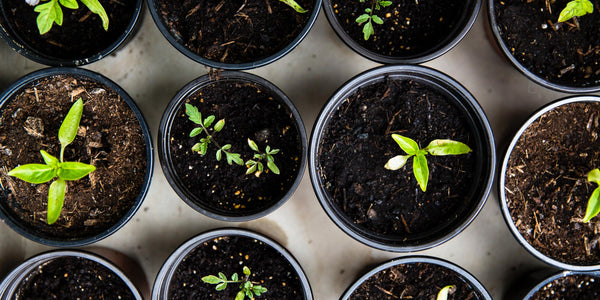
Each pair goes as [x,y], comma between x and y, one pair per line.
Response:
[242,256]
[98,168]
[234,35]
[401,114]
[545,284]
[67,275]
[544,188]
[233,147]
[416,277]
[83,38]
[393,31]
[563,55]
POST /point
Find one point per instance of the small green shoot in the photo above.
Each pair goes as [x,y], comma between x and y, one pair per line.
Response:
[593,206]
[40,173]
[420,168]
[205,127]
[368,18]
[50,12]
[247,288]
[443,293]
[576,8]
[293,4]
[256,166]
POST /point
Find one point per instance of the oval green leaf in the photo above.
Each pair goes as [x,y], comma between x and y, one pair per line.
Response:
[594,176]
[593,206]
[240,295]
[271,165]
[34,173]
[447,147]
[253,145]
[72,4]
[208,121]
[246,271]
[219,125]
[49,159]
[408,145]
[211,279]
[56,198]
[362,18]
[95,7]
[69,126]
[196,131]
[575,8]
[421,171]
[74,170]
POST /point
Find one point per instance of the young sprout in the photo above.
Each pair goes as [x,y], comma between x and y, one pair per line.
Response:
[293,4]
[256,166]
[443,293]
[205,127]
[420,169]
[368,18]
[576,8]
[593,206]
[50,12]
[247,288]
[40,173]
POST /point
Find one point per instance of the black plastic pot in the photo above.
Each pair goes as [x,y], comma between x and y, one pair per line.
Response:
[462,28]
[485,157]
[167,271]
[23,47]
[494,27]
[31,233]
[166,158]
[466,277]
[166,32]
[526,288]
[502,183]
[10,285]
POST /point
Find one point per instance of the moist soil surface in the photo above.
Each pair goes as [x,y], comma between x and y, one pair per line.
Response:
[229,255]
[81,34]
[250,112]
[73,278]
[357,143]
[109,138]
[576,286]
[414,281]
[237,31]
[409,27]
[546,183]
[561,53]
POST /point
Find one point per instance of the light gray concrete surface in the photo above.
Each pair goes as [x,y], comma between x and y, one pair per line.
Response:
[151,70]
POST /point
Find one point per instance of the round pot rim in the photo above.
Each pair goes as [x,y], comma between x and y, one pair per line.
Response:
[529,74]
[75,242]
[556,275]
[502,181]
[41,58]
[26,267]
[414,59]
[477,286]
[164,140]
[450,86]
[167,270]
[234,66]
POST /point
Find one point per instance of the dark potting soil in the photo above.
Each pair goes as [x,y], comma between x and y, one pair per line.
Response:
[409,27]
[414,281]
[109,137]
[72,278]
[236,31]
[576,286]
[546,183]
[559,53]
[357,143]
[229,255]
[250,112]
[81,34]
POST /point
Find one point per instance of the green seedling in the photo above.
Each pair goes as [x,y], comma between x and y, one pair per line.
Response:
[40,173]
[420,168]
[576,8]
[368,18]
[444,292]
[293,4]
[50,12]
[247,288]
[205,127]
[593,206]
[256,166]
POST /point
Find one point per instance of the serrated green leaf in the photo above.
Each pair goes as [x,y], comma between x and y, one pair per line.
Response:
[70,125]
[246,271]
[196,147]
[208,121]
[377,19]
[72,4]
[95,7]
[211,279]
[271,165]
[594,176]
[368,30]
[249,293]
[218,155]
[34,173]
[221,286]
[196,131]
[293,4]
[193,114]
[74,170]
[56,198]
[362,18]
[253,145]
[47,15]
[447,147]
[234,158]
[575,8]
[219,125]
[240,295]
[49,159]
[251,169]
[258,290]
[408,145]
[421,170]
[397,162]
[443,293]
